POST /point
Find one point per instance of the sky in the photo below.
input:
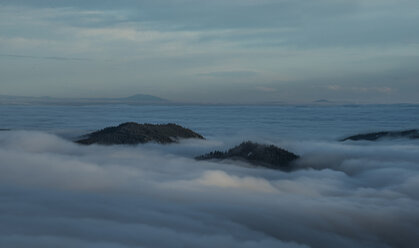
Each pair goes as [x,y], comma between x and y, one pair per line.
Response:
[219,51]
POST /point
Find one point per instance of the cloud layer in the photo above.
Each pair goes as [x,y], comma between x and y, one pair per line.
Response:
[213,51]
[56,193]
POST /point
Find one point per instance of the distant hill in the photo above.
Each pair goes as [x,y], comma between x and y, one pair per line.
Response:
[322,101]
[144,98]
[138,99]
[131,133]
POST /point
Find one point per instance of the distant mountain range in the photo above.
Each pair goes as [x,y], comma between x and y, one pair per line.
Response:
[139,99]
[322,101]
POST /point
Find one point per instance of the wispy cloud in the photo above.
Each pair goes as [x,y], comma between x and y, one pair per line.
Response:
[266,89]
[44,57]
[384,90]
[229,74]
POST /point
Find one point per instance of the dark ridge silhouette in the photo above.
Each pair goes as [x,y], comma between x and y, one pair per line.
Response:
[132,133]
[409,134]
[322,101]
[268,156]
[144,98]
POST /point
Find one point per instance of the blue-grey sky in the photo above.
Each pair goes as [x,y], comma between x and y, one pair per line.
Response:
[230,51]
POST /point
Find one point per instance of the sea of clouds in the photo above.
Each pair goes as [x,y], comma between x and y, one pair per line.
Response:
[55,193]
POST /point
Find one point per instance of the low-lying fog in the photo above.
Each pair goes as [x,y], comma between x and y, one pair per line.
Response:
[55,193]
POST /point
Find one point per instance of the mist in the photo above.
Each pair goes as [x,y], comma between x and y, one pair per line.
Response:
[57,193]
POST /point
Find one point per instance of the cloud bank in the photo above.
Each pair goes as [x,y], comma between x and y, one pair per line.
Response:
[56,193]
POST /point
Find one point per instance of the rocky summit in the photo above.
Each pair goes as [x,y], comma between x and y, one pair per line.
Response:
[132,133]
[407,134]
[268,156]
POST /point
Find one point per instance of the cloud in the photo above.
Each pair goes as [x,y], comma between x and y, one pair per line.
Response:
[158,196]
[334,87]
[384,90]
[37,57]
[229,74]
[266,89]
[223,180]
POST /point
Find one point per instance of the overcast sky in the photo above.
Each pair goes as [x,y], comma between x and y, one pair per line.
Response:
[252,51]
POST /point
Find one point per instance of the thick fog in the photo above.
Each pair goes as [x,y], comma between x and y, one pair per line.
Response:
[55,193]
